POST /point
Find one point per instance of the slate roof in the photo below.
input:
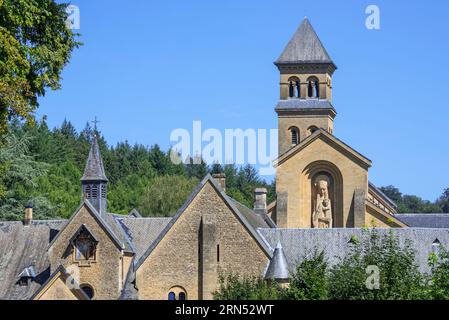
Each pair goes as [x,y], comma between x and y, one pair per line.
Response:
[304,47]
[424,220]
[94,170]
[277,266]
[298,243]
[142,232]
[306,104]
[21,247]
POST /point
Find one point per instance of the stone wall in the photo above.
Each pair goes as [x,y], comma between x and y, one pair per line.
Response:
[103,275]
[187,256]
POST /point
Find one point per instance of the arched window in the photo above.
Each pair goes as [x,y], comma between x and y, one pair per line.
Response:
[311,130]
[85,245]
[177,293]
[88,290]
[294,87]
[294,135]
[313,87]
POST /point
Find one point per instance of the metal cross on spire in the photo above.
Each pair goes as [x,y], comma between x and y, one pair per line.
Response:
[95,123]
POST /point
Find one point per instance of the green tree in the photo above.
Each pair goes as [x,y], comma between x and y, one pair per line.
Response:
[439,285]
[399,276]
[234,287]
[35,45]
[310,281]
[165,195]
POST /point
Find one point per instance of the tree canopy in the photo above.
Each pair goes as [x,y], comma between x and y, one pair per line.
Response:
[35,45]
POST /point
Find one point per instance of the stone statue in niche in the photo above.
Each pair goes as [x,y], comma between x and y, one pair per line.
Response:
[322,214]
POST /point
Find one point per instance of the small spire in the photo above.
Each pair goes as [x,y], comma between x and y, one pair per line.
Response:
[94,170]
[278,267]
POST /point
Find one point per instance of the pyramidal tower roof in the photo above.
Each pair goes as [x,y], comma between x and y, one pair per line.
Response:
[304,47]
[94,170]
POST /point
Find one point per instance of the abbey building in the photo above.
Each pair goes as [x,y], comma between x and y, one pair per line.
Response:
[324,199]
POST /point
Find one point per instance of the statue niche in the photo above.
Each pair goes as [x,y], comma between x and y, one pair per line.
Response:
[322,206]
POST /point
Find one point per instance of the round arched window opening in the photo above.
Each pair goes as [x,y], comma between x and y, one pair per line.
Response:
[311,130]
[88,290]
[294,87]
[294,132]
[177,293]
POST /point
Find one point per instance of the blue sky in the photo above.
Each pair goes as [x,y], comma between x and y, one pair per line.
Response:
[148,67]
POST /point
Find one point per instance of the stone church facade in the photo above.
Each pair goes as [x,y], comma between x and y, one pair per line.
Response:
[324,199]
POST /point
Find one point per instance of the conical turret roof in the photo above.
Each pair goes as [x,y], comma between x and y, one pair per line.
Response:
[94,170]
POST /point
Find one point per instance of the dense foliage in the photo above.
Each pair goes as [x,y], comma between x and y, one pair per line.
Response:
[44,167]
[35,45]
[413,204]
[353,278]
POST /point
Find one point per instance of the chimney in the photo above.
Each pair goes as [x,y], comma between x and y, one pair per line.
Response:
[260,203]
[221,179]
[28,215]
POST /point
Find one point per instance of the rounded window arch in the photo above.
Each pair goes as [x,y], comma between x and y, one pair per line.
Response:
[88,290]
[171,296]
[311,130]
[335,191]
[313,87]
[294,87]
[294,135]
[177,293]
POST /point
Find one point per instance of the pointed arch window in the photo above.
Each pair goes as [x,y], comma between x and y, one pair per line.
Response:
[84,245]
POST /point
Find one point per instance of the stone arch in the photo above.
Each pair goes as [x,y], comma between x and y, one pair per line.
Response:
[311,130]
[313,87]
[294,87]
[294,135]
[311,172]
[178,293]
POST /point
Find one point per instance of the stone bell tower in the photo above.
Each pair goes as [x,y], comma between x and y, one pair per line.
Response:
[305,88]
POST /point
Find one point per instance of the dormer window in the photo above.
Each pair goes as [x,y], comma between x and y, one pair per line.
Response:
[436,245]
[84,245]
[26,276]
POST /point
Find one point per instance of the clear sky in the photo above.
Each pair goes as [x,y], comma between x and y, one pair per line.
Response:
[148,67]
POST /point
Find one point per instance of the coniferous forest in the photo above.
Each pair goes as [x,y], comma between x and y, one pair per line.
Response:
[42,167]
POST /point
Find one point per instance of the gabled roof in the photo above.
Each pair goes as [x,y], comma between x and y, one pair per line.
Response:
[62,272]
[21,247]
[300,243]
[424,220]
[278,266]
[208,179]
[304,47]
[94,170]
[329,139]
[120,244]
